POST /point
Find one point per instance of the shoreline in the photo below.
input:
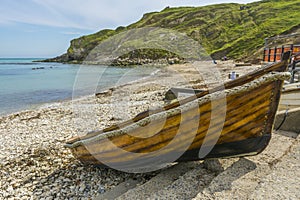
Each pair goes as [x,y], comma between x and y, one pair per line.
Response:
[37,106]
[33,161]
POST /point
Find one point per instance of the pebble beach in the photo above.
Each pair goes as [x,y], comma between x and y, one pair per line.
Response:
[34,164]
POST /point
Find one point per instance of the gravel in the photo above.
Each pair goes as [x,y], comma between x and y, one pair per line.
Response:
[35,165]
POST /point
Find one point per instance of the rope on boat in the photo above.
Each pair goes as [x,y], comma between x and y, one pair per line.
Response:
[283,120]
[272,76]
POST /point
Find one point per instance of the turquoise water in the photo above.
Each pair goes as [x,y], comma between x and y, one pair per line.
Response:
[25,84]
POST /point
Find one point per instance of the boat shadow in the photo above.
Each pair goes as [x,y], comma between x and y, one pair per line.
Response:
[224,179]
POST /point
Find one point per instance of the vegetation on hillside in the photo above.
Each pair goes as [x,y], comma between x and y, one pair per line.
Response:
[235,30]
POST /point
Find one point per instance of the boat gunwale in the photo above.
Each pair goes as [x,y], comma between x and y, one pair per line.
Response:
[216,123]
[280,66]
[272,76]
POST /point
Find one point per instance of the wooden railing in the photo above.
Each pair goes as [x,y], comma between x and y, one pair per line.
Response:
[274,54]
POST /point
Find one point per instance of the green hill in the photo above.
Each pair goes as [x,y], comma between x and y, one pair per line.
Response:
[235,30]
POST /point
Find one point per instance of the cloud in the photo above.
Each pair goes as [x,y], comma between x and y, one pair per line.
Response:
[71,33]
[38,13]
[86,14]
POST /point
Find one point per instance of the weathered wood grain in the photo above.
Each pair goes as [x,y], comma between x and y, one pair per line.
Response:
[246,127]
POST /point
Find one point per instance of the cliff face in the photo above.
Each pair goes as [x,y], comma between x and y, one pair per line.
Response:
[234,30]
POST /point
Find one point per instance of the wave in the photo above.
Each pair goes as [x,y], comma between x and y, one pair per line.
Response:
[17,63]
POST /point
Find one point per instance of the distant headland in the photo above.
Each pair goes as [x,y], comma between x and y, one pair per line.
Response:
[237,31]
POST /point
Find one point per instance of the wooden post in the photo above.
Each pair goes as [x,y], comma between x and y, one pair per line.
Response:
[265,55]
[282,50]
[293,71]
[275,54]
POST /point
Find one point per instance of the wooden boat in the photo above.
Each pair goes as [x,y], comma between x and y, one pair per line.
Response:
[178,133]
[290,97]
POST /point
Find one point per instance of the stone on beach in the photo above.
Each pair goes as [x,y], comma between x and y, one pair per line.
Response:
[34,163]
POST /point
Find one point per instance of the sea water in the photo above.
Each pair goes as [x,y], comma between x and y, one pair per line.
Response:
[25,84]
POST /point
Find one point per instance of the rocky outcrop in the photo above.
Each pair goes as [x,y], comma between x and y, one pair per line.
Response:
[235,30]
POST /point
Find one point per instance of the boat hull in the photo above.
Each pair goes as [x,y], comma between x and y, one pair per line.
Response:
[244,129]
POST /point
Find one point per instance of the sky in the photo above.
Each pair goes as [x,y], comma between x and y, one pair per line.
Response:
[44,28]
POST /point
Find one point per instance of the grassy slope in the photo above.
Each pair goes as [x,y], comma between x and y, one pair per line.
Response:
[221,29]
